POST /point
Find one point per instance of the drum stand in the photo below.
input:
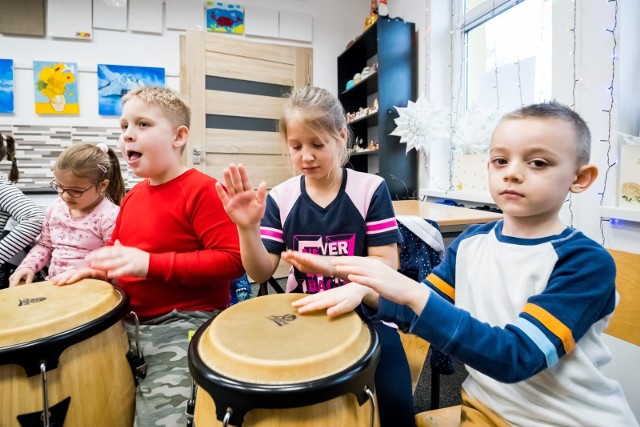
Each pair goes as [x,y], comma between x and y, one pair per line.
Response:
[191,404]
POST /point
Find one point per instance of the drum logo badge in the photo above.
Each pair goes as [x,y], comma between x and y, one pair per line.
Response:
[282,320]
[27,301]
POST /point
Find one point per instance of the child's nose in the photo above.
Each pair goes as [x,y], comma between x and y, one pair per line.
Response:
[513,173]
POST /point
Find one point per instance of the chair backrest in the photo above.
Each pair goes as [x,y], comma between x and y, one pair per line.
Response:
[625,323]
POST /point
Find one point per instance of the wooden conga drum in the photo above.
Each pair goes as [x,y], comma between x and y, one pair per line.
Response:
[65,349]
[260,363]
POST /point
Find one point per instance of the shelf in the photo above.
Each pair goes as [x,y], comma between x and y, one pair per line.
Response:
[371,118]
[460,195]
[370,83]
[620,213]
[365,153]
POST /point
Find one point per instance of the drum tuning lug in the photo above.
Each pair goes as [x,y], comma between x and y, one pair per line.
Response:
[138,365]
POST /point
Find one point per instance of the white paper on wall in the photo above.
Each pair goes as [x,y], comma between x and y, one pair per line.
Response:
[146,16]
[629,189]
[296,26]
[470,173]
[110,14]
[71,19]
[260,21]
[185,14]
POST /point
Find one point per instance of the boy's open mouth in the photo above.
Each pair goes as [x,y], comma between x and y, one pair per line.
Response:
[133,155]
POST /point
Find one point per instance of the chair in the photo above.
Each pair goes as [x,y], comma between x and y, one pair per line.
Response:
[421,249]
[625,325]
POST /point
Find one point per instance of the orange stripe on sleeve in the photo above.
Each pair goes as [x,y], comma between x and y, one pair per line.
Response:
[552,324]
[442,286]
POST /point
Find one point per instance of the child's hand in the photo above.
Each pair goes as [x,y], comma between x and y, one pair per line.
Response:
[384,280]
[310,263]
[244,206]
[69,277]
[21,276]
[337,300]
[118,260]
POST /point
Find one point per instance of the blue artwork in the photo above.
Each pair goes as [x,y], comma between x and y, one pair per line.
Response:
[115,81]
[6,86]
[225,18]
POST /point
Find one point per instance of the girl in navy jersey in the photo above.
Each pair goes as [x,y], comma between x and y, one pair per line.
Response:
[14,205]
[327,210]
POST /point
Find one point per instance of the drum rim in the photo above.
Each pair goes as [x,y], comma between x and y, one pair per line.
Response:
[354,379]
[30,354]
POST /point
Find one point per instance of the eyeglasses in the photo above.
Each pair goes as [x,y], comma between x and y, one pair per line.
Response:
[75,193]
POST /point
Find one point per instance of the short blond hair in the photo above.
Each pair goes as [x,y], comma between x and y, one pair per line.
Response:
[168,100]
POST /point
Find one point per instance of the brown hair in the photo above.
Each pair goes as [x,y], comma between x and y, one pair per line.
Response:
[322,112]
[8,148]
[176,108]
[556,110]
[91,162]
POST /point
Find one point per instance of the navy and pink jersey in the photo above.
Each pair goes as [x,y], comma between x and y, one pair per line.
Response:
[359,217]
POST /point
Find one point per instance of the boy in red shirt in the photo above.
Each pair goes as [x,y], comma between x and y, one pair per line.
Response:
[174,248]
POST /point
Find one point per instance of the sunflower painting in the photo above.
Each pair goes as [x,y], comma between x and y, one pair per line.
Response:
[56,87]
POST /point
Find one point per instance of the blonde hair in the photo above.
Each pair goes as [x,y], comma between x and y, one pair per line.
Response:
[90,162]
[8,148]
[323,113]
[176,108]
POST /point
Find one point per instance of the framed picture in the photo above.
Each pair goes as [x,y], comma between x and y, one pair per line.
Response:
[6,86]
[115,81]
[629,191]
[225,18]
[56,87]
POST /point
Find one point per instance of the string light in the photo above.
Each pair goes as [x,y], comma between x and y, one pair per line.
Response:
[451,100]
[573,95]
[609,111]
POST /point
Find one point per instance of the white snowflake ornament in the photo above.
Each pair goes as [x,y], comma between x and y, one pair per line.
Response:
[421,124]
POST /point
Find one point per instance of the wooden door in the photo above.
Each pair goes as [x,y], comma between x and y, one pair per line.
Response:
[235,89]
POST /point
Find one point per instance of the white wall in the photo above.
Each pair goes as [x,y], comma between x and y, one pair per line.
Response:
[335,23]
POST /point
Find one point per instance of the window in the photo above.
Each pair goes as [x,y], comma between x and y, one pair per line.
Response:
[507,53]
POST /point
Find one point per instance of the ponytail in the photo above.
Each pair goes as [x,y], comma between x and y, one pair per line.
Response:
[10,151]
[115,189]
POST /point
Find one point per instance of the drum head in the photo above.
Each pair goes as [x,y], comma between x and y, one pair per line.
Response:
[38,310]
[265,341]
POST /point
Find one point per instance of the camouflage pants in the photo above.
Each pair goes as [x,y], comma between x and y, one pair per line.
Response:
[161,398]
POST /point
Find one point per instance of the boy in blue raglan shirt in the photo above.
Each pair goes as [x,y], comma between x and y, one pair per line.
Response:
[522,301]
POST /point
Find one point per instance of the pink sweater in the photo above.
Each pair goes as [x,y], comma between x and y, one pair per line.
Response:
[65,241]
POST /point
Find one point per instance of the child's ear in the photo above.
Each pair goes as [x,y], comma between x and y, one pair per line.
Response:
[584,178]
[182,136]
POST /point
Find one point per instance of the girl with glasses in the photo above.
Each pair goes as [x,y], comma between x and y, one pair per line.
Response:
[15,206]
[90,185]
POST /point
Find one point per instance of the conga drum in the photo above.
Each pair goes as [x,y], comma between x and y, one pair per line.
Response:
[63,356]
[260,363]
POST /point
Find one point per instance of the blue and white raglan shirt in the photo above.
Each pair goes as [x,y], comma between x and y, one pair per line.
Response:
[526,317]
[359,217]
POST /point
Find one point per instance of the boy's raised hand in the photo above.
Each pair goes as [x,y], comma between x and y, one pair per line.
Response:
[384,280]
[118,260]
[244,205]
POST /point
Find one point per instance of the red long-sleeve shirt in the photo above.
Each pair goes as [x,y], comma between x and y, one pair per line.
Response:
[193,244]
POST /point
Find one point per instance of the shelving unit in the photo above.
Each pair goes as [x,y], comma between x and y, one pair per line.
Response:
[390,43]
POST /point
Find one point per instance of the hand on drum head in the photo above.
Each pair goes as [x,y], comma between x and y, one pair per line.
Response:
[384,280]
[244,206]
[118,260]
[21,276]
[72,276]
[310,263]
[337,300]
